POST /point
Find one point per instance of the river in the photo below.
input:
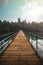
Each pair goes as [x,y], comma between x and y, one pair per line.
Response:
[40,46]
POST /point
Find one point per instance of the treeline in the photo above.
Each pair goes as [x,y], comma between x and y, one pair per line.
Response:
[6,27]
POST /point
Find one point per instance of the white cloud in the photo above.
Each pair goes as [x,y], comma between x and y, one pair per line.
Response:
[26,0]
[32,10]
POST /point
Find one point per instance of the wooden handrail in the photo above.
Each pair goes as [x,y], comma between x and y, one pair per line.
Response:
[5,42]
[35,38]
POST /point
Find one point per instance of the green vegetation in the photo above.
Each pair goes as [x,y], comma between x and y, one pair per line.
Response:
[6,27]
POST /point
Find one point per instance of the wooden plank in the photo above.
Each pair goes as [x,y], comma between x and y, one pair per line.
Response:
[20,52]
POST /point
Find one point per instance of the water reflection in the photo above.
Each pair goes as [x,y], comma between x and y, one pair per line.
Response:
[40,46]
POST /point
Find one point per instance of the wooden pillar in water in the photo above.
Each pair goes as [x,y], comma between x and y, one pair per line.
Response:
[36,45]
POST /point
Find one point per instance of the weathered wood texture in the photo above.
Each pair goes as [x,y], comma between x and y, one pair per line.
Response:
[19,52]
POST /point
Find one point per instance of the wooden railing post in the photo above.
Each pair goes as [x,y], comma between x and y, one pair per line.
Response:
[36,44]
[31,41]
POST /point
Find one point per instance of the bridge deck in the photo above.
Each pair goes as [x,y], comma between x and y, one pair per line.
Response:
[19,52]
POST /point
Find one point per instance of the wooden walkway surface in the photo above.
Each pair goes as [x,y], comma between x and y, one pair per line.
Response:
[19,52]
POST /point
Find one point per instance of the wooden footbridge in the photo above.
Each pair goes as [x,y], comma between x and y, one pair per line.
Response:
[19,52]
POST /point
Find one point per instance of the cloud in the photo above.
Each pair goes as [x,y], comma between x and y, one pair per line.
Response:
[32,10]
[2,2]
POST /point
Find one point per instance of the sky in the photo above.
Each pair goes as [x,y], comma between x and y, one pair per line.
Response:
[30,10]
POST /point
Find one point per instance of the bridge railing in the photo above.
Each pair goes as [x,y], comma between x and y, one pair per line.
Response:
[5,35]
[5,42]
[37,42]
